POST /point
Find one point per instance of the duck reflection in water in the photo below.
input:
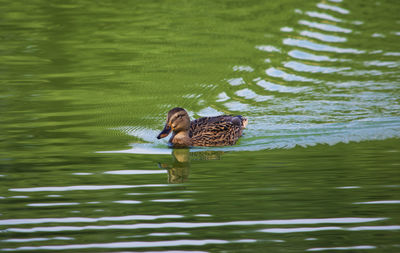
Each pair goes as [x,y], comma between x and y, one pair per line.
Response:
[178,170]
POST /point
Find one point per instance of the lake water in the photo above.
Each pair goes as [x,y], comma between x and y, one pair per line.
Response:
[85,87]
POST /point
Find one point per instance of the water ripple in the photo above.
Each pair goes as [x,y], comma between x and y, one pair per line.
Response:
[378,63]
[83,187]
[323,37]
[324,16]
[236,81]
[379,202]
[133,244]
[324,27]
[320,47]
[249,94]
[302,55]
[129,202]
[52,204]
[317,229]
[86,219]
[279,88]
[135,172]
[237,106]
[343,248]
[243,68]
[333,8]
[40,239]
[274,72]
[268,48]
[301,67]
[198,224]
[170,200]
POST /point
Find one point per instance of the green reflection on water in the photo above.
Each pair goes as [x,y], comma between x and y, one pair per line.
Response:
[301,183]
[77,78]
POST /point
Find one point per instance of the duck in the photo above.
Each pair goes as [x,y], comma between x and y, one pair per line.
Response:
[223,130]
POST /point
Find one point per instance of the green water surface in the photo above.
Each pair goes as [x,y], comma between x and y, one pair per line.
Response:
[85,87]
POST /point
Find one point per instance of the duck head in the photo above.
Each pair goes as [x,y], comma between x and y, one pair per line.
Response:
[178,121]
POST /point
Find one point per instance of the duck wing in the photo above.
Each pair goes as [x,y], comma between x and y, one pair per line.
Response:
[216,131]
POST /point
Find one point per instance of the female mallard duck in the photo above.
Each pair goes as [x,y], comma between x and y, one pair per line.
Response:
[208,131]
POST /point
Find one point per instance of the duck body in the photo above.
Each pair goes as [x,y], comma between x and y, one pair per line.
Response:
[221,130]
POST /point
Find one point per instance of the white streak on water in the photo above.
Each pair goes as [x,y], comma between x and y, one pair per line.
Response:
[168,234]
[83,188]
[52,204]
[40,239]
[169,200]
[320,47]
[379,202]
[196,224]
[278,87]
[301,67]
[274,72]
[222,97]
[143,149]
[286,29]
[249,94]
[343,248]
[317,229]
[378,63]
[208,112]
[135,172]
[348,187]
[133,244]
[375,228]
[332,8]
[298,54]
[236,81]
[243,68]
[127,202]
[323,16]
[298,230]
[268,48]
[323,37]
[325,27]
[237,106]
[86,219]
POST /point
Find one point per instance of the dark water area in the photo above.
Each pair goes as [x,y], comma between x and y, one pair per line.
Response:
[85,88]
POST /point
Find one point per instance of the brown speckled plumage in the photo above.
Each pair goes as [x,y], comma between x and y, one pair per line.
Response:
[215,131]
[207,131]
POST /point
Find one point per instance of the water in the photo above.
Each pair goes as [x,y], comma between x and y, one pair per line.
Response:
[85,88]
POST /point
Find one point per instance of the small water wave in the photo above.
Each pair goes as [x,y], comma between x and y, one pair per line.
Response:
[379,202]
[324,73]
[320,47]
[325,27]
[323,37]
[133,244]
[360,247]
[289,131]
[134,172]
[86,219]
[348,220]
[318,229]
[333,8]
[82,188]
[317,85]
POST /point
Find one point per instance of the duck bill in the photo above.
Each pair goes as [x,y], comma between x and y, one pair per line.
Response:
[165,132]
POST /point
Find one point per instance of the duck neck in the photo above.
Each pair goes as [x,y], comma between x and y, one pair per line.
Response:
[181,139]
